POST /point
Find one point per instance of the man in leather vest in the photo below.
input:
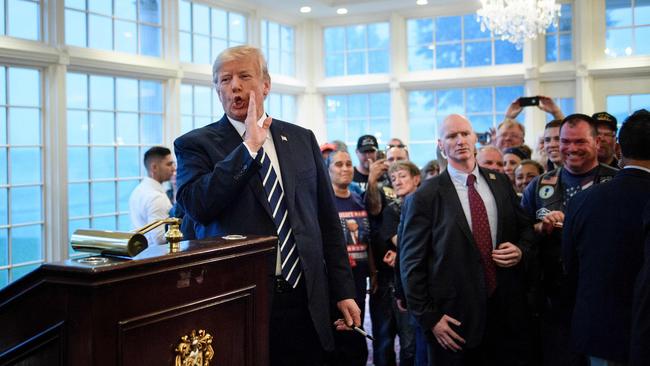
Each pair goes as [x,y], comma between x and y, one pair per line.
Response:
[545,200]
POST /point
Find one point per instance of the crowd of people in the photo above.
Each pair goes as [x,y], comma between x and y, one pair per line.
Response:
[487,255]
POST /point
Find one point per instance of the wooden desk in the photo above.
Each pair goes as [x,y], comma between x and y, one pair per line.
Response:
[134,312]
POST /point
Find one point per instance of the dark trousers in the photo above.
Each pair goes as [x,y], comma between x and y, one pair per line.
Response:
[556,334]
[351,348]
[387,322]
[503,344]
[293,339]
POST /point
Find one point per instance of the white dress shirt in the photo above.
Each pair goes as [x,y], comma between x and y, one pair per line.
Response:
[149,202]
[459,179]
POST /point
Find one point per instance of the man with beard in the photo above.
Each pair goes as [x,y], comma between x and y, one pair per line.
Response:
[607,128]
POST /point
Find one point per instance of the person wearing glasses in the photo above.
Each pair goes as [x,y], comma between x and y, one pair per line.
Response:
[606,124]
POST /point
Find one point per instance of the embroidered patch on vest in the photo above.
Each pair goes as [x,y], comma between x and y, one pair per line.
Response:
[546,192]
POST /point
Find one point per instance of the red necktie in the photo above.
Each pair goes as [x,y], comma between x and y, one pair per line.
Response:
[481,232]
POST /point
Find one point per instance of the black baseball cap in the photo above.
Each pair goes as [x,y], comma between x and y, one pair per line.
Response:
[367,143]
[605,119]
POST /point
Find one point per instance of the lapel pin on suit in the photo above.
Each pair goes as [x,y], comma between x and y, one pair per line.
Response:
[492,176]
[283,137]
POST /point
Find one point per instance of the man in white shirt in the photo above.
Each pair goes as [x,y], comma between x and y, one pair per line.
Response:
[149,201]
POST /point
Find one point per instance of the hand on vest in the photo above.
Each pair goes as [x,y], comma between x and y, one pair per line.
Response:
[549,222]
[506,255]
[446,336]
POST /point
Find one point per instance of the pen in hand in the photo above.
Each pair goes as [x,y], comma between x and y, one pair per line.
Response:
[341,326]
[363,333]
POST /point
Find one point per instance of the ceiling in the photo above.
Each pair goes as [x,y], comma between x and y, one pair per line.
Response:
[327,8]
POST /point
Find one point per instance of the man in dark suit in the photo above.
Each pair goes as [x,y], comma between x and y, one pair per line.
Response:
[463,236]
[602,248]
[251,174]
[639,350]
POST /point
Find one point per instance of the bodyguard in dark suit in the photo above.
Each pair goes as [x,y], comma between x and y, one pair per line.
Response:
[462,239]
[602,247]
[250,174]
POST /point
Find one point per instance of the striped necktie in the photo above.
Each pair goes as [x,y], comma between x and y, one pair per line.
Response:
[291,271]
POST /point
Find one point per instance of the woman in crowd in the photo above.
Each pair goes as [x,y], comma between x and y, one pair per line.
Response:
[512,157]
[525,172]
[405,178]
[351,348]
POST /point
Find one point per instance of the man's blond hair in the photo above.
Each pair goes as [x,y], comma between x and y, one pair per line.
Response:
[238,53]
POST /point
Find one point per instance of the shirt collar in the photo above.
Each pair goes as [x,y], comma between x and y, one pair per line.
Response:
[461,177]
[154,184]
[241,126]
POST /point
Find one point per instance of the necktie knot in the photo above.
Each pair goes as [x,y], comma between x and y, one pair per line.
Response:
[471,179]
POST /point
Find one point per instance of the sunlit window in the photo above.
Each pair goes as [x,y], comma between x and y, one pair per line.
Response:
[627,27]
[20,19]
[21,173]
[281,106]
[125,26]
[357,49]
[112,121]
[559,39]
[485,107]
[351,115]
[278,46]
[622,105]
[455,41]
[206,31]
[199,106]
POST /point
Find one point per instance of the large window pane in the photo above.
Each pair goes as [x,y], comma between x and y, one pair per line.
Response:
[627,27]
[26,205]
[123,25]
[455,41]
[23,19]
[350,116]
[24,126]
[357,49]
[25,165]
[77,163]
[427,108]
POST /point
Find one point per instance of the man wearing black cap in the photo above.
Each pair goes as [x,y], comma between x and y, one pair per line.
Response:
[367,148]
[545,200]
[606,124]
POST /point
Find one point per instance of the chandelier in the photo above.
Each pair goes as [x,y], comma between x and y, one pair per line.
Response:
[516,20]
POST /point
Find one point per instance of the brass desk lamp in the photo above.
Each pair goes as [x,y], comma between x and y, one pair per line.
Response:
[125,244]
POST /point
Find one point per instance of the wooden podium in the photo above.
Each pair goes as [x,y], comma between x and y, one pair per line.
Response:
[134,312]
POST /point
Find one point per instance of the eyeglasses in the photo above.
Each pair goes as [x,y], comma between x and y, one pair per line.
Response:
[607,134]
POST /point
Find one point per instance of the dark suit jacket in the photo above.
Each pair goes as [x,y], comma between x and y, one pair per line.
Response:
[220,189]
[639,351]
[602,247]
[441,267]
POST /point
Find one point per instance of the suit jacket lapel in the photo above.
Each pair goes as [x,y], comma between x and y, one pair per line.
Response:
[284,151]
[453,205]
